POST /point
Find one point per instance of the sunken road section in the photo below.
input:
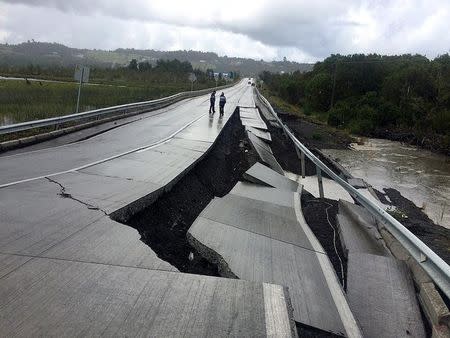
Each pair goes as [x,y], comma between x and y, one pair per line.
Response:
[163,224]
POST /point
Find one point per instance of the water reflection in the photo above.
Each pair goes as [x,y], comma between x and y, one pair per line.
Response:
[220,123]
[420,175]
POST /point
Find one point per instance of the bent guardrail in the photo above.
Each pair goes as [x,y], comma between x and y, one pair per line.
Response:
[437,269]
[12,128]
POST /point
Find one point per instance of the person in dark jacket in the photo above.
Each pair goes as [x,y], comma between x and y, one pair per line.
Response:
[222,102]
[212,101]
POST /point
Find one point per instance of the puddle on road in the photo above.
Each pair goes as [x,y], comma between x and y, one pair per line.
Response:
[420,175]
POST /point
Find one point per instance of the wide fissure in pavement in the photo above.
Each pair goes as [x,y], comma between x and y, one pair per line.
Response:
[163,225]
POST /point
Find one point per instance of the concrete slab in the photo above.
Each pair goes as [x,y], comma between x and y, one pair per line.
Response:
[358,231]
[381,294]
[261,174]
[370,196]
[9,263]
[269,117]
[263,218]
[357,183]
[256,123]
[111,192]
[332,190]
[67,228]
[265,153]
[65,298]
[249,113]
[108,242]
[263,193]
[254,239]
[260,133]
[34,218]
[206,129]
[248,99]
[158,165]
[252,256]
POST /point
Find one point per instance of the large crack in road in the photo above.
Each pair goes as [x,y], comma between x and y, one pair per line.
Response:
[163,225]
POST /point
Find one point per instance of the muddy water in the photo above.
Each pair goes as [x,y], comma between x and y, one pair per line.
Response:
[421,176]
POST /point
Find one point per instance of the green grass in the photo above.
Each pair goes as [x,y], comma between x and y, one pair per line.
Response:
[20,102]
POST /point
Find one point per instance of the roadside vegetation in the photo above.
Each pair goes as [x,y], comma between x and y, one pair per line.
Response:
[405,98]
[22,100]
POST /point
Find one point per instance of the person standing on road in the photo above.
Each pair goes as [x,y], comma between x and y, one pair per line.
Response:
[212,101]
[222,102]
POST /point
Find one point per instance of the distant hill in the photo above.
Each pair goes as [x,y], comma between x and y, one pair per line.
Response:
[48,54]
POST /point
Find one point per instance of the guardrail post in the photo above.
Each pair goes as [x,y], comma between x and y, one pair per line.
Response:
[302,160]
[319,179]
[301,156]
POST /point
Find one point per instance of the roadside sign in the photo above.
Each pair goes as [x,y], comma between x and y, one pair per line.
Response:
[82,74]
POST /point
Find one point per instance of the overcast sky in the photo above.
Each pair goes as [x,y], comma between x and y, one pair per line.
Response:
[301,30]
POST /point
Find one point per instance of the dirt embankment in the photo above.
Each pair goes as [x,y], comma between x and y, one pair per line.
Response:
[435,236]
[316,135]
[433,142]
[163,225]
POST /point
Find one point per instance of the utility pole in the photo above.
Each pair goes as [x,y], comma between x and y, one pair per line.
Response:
[81,75]
[79,90]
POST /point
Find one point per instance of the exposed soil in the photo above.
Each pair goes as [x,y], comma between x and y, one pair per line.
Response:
[316,135]
[315,211]
[284,150]
[435,236]
[163,225]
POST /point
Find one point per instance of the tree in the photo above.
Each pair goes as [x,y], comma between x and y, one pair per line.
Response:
[133,65]
[144,66]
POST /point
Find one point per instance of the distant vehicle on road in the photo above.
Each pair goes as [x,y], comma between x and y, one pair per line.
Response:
[249,82]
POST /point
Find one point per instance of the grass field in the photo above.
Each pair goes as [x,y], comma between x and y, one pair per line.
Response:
[20,102]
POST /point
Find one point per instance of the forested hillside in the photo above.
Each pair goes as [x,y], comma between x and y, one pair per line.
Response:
[45,55]
[403,97]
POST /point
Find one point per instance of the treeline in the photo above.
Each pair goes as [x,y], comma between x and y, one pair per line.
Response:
[164,72]
[373,94]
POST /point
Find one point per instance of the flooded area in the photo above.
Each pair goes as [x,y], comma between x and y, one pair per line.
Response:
[419,175]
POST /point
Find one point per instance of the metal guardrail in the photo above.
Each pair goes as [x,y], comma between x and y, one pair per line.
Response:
[12,128]
[437,269]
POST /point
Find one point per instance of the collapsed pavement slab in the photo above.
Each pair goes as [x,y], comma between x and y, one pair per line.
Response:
[255,123]
[381,295]
[358,231]
[265,153]
[332,190]
[261,174]
[249,113]
[67,298]
[262,134]
[358,183]
[263,193]
[251,238]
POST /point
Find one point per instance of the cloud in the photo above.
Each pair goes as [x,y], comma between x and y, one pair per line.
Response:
[299,29]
